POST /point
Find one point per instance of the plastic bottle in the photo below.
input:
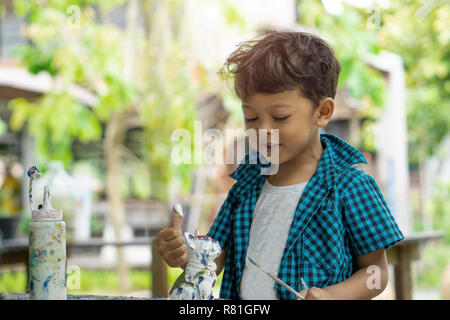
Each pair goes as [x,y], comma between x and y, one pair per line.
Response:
[47,252]
[64,195]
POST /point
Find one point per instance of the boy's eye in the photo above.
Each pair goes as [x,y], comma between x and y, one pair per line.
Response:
[250,119]
[280,118]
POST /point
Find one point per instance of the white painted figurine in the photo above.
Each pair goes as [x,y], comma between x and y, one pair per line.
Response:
[200,273]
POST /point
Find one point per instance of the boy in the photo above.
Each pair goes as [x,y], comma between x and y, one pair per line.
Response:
[319,218]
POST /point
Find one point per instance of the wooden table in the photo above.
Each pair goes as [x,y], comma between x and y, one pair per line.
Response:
[26,296]
[402,255]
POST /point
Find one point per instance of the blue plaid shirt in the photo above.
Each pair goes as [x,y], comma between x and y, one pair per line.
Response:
[341,215]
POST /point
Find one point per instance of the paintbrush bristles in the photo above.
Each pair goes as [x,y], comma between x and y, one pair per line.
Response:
[251,260]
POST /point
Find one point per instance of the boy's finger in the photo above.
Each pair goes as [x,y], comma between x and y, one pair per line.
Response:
[168,234]
[180,261]
[304,293]
[174,243]
[177,218]
[176,253]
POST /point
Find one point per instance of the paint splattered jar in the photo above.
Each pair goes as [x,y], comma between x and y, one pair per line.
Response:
[47,255]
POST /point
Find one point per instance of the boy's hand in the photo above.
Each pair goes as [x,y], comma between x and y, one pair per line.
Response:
[170,241]
[315,293]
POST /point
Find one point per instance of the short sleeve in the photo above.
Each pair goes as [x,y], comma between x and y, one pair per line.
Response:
[221,228]
[368,220]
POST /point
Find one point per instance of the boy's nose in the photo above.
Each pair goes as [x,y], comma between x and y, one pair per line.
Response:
[264,135]
[268,134]
[265,125]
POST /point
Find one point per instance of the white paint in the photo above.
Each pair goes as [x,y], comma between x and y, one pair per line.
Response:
[178,209]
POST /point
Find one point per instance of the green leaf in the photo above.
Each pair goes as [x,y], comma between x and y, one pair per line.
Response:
[21,109]
[3,127]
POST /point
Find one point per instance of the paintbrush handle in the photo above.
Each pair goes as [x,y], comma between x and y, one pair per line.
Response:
[278,280]
[285,285]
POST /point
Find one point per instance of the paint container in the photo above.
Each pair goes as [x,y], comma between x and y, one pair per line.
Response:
[47,252]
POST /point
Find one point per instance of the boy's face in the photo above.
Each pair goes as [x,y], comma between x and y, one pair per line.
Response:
[293,115]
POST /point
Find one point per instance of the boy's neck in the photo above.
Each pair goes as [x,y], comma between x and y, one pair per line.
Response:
[300,168]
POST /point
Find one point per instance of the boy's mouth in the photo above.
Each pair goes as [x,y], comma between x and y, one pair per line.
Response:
[270,146]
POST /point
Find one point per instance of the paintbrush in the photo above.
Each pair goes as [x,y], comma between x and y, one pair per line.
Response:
[278,280]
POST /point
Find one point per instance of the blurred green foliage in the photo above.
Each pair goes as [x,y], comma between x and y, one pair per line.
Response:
[3,127]
[352,42]
[107,282]
[98,282]
[91,281]
[13,281]
[56,120]
[436,256]
[2,10]
[420,37]
[97,225]
[439,207]
[160,91]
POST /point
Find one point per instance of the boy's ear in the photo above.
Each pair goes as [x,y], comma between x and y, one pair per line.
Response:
[325,111]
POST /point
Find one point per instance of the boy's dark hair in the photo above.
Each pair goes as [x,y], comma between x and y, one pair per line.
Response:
[283,61]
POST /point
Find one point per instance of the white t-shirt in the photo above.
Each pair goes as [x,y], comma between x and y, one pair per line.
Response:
[272,219]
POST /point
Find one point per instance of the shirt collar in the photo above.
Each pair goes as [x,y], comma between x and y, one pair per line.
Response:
[337,154]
